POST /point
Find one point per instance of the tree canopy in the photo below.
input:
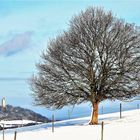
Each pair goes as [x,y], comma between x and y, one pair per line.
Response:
[97,58]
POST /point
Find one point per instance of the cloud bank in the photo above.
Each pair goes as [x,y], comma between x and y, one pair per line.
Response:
[16,44]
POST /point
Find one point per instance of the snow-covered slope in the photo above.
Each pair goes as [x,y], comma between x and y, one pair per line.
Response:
[126,128]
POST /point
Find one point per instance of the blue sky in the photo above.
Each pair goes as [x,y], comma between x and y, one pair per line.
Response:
[25,28]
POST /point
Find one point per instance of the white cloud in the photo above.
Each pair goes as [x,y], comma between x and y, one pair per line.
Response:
[16,44]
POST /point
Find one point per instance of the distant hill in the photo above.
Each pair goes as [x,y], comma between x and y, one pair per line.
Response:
[18,113]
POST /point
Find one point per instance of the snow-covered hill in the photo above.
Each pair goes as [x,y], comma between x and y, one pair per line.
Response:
[19,113]
[126,128]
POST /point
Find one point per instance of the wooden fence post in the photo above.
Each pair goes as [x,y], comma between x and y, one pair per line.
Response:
[68,114]
[102,131]
[120,110]
[15,135]
[52,123]
[3,131]
[102,110]
[138,106]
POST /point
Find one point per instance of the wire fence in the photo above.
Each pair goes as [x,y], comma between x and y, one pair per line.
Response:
[103,109]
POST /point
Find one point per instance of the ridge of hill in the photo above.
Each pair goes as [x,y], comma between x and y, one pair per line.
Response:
[19,113]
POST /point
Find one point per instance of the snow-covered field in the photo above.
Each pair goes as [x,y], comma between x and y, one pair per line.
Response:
[16,123]
[126,128]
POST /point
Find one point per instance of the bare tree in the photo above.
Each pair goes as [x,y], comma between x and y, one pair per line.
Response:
[97,58]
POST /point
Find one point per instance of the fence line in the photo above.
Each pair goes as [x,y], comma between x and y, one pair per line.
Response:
[104,110]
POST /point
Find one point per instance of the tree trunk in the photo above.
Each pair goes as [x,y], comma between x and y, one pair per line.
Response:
[94,115]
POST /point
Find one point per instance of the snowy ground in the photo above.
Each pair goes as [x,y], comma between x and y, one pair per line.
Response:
[15,123]
[126,128]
